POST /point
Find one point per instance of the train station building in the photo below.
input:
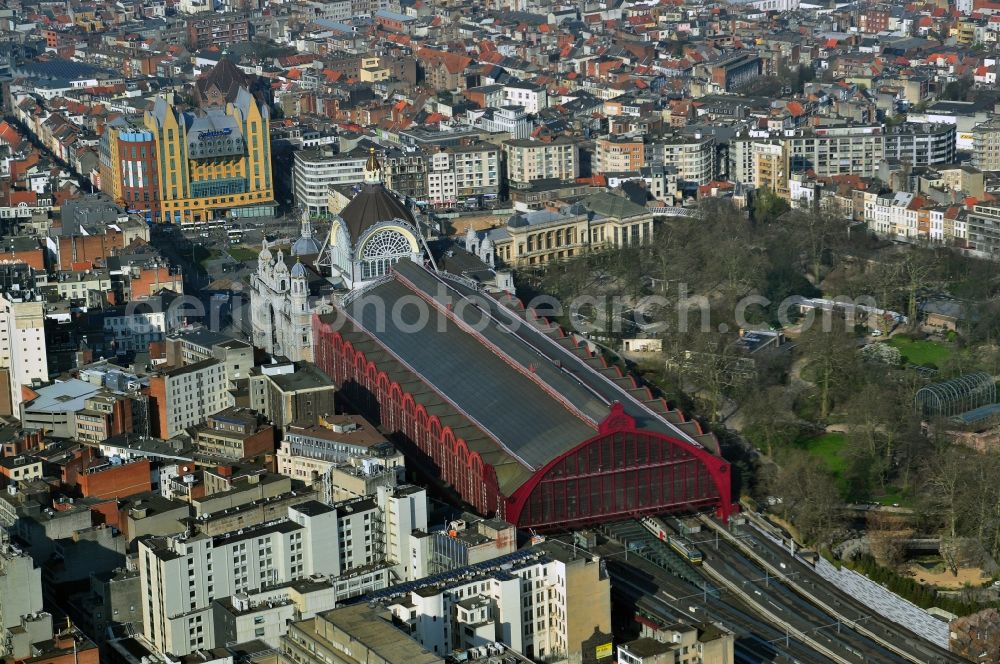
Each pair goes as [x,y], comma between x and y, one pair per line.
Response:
[507,412]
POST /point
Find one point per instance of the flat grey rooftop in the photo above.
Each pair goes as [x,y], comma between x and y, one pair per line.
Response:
[511,407]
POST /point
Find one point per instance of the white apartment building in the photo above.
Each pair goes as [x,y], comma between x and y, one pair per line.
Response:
[511,120]
[529,160]
[741,160]
[315,171]
[543,601]
[187,395]
[477,169]
[441,186]
[22,342]
[837,150]
[771,5]
[921,144]
[533,98]
[693,157]
[986,145]
[350,543]
[461,172]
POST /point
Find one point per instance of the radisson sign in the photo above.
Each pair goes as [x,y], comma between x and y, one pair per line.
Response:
[218,133]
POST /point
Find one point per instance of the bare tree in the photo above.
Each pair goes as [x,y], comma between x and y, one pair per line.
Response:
[809,496]
[768,418]
[910,272]
[818,236]
[831,354]
[887,536]
[952,553]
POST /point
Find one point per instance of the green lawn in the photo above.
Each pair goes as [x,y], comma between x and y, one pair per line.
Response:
[921,352]
[827,448]
[243,254]
[893,496]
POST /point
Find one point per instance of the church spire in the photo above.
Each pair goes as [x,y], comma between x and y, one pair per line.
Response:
[373,169]
[306,245]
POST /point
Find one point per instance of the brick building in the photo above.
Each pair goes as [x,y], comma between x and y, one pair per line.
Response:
[150,280]
[217,31]
[107,479]
[235,433]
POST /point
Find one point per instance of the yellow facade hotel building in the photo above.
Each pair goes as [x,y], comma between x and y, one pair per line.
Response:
[213,162]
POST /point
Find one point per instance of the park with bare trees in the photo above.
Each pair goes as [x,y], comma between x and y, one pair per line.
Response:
[821,426]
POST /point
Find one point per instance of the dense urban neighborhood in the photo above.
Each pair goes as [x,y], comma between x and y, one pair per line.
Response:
[499,332]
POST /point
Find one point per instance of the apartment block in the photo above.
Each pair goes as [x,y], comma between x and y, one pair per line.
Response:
[236,356]
[984,230]
[133,328]
[467,541]
[619,154]
[511,120]
[22,621]
[22,343]
[315,171]
[186,396]
[921,144]
[770,167]
[684,644]
[831,151]
[405,173]
[733,72]
[545,602]
[532,98]
[235,433]
[345,455]
[986,145]
[529,160]
[217,31]
[458,173]
[692,156]
[193,583]
[288,393]
[360,629]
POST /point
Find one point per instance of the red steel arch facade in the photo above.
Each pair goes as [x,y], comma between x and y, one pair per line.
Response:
[620,472]
[466,471]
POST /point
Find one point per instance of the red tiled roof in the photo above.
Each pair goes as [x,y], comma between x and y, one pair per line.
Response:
[26,197]
[453,62]
[10,135]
